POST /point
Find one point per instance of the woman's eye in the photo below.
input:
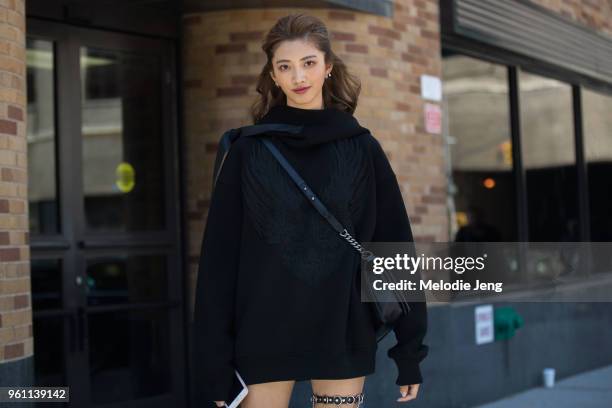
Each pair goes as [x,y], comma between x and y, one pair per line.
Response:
[284,67]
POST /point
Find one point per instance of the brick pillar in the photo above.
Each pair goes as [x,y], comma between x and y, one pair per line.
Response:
[16,341]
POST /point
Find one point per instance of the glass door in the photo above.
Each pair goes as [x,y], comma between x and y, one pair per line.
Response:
[104,220]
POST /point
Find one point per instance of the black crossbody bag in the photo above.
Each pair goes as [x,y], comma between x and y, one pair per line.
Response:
[388,306]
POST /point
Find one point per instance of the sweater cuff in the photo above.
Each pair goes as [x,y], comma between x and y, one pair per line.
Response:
[409,372]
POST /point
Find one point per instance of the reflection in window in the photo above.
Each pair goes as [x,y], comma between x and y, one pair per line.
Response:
[597,125]
[548,152]
[123,166]
[46,277]
[42,189]
[126,279]
[48,331]
[129,354]
[49,356]
[476,102]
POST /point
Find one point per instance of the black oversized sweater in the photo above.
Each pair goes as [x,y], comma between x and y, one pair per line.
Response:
[277,290]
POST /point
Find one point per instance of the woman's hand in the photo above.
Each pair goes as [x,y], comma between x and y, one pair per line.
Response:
[409,392]
[220,403]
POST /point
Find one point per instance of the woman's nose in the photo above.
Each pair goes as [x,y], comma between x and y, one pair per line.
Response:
[298,76]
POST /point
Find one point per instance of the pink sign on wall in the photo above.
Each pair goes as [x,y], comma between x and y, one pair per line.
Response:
[433,118]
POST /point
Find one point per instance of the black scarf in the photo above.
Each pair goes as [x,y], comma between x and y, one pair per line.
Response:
[320,125]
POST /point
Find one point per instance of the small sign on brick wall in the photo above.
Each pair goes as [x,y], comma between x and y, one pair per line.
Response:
[431,88]
[433,118]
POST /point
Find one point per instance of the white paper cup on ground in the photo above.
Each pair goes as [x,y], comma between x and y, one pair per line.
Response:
[548,375]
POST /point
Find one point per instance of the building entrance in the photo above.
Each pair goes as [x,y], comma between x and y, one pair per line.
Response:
[103,214]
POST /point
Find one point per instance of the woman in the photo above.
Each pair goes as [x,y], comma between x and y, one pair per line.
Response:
[278,291]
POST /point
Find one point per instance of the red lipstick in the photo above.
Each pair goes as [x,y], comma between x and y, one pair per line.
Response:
[301,90]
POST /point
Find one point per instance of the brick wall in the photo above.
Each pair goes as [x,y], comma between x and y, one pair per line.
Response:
[388,54]
[15,306]
[597,14]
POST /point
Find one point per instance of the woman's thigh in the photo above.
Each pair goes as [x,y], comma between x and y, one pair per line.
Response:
[344,387]
[276,394]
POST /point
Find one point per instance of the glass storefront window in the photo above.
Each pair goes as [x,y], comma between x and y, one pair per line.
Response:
[42,187]
[597,128]
[123,279]
[549,158]
[597,131]
[46,277]
[475,98]
[122,129]
[134,361]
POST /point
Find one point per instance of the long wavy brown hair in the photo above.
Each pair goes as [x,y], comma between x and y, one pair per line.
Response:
[340,91]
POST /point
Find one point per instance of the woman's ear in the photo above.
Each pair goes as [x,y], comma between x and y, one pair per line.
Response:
[272,76]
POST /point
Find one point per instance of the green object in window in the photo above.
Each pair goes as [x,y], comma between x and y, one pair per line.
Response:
[506,321]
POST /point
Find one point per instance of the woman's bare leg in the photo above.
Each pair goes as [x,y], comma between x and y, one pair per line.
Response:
[345,387]
[276,394]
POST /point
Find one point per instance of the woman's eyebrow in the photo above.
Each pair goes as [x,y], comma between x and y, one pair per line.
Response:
[301,59]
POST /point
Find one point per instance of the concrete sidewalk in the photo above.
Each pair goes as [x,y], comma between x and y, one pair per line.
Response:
[592,389]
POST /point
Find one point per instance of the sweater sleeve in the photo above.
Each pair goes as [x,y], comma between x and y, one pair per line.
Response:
[215,288]
[393,225]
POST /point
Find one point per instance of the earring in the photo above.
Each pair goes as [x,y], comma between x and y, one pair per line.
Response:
[329,75]
[276,84]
